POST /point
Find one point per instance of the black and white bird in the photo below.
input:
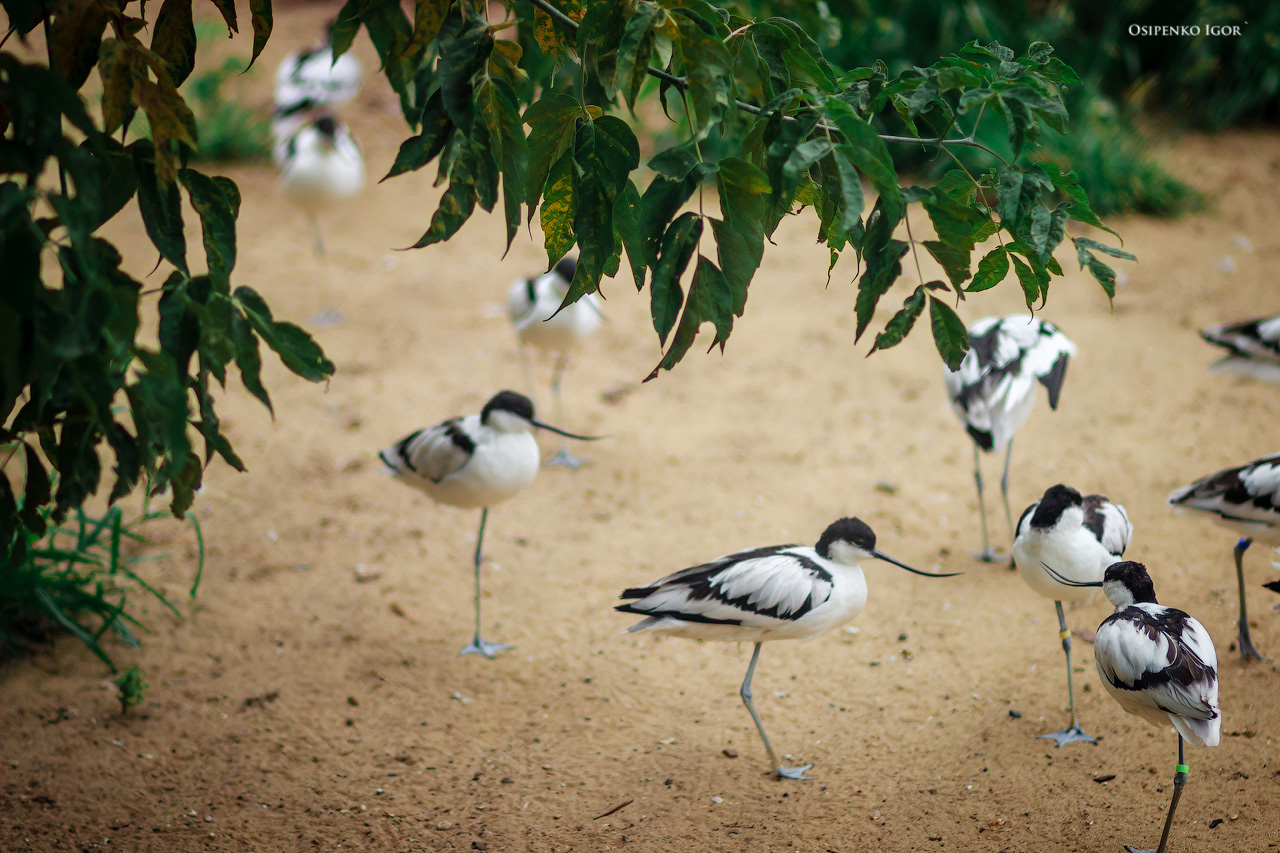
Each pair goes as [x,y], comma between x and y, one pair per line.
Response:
[780,592]
[474,461]
[315,78]
[534,306]
[1159,664]
[1253,347]
[1079,536]
[994,390]
[1246,500]
[320,163]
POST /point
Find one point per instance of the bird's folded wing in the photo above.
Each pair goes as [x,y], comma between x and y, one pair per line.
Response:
[1162,671]
[750,588]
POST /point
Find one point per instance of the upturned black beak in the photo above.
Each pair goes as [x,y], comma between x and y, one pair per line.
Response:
[881,555]
[1060,579]
[549,428]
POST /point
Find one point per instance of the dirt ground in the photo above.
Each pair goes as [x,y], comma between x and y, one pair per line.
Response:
[313,699]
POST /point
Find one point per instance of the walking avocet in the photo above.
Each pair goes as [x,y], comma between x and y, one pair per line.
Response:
[1253,347]
[780,592]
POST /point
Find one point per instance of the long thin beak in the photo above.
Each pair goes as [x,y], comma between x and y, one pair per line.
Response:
[881,555]
[540,425]
[1066,582]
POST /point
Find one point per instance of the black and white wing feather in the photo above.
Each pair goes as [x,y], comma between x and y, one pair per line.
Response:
[1256,340]
[435,452]
[1109,523]
[1247,496]
[995,381]
[1160,664]
[758,587]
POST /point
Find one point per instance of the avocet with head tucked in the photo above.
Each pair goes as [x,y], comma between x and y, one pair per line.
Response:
[475,461]
[1159,664]
[994,390]
[1253,347]
[1245,499]
[780,592]
[1079,536]
[534,307]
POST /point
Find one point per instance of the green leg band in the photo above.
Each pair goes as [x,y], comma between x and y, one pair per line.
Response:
[1183,769]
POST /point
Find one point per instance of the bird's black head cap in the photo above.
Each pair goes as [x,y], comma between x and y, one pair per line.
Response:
[567,267]
[327,125]
[1135,579]
[852,530]
[1056,501]
[508,401]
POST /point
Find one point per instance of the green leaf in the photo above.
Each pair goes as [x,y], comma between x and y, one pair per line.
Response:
[417,151]
[710,298]
[864,148]
[603,23]
[665,297]
[260,17]
[744,202]
[557,210]
[36,491]
[428,16]
[1034,286]
[459,200]
[217,201]
[160,206]
[464,45]
[120,69]
[294,346]
[1069,185]
[552,121]
[173,38]
[709,69]
[949,333]
[74,36]
[626,219]
[248,359]
[900,323]
[500,112]
[953,259]
[605,152]
[1047,230]
[1105,275]
[991,270]
[636,50]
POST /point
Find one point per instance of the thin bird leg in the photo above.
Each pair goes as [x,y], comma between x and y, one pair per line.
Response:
[564,457]
[1004,489]
[988,554]
[782,770]
[1179,782]
[1072,733]
[479,646]
[524,366]
[315,233]
[330,316]
[1246,644]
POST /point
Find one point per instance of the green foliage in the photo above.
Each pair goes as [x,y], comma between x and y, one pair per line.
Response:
[75,379]
[129,688]
[78,577]
[771,121]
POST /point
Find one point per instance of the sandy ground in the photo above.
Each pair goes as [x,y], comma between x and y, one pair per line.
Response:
[313,699]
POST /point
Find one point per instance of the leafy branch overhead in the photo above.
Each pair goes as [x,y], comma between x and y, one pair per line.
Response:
[532,117]
[74,373]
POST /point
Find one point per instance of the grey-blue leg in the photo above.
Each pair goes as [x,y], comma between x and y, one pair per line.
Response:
[988,554]
[782,770]
[564,457]
[1004,491]
[479,646]
[1179,782]
[1246,644]
[1072,733]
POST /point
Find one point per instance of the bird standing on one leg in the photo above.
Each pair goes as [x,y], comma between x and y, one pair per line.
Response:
[1159,664]
[780,592]
[1245,499]
[1079,537]
[534,305]
[475,461]
[1253,347]
[994,390]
